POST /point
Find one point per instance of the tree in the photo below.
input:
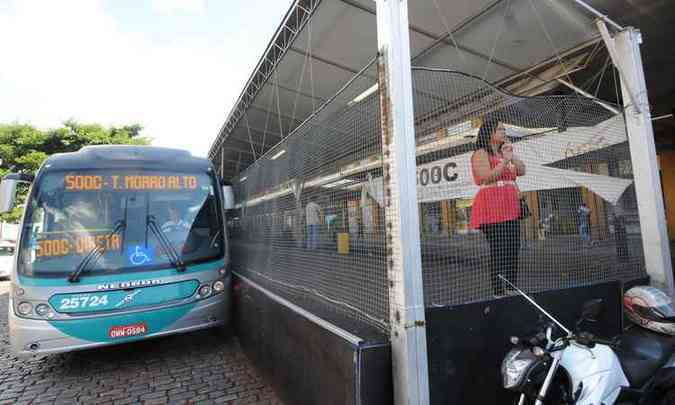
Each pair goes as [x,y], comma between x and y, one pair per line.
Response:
[23,147]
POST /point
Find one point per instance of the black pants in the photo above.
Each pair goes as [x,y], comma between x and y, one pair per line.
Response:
[504,241]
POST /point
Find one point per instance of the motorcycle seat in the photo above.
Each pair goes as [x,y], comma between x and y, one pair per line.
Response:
[641,353]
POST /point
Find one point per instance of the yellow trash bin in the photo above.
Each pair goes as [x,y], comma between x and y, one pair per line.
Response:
[343,243]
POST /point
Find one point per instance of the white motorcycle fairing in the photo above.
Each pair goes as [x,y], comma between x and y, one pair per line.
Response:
[597,369]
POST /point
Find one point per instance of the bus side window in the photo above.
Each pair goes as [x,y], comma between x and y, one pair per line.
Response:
[40,221]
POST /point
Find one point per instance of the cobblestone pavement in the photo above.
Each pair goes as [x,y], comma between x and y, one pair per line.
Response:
[192,368]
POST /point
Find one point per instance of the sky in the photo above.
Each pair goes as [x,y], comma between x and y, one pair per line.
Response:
[174,66]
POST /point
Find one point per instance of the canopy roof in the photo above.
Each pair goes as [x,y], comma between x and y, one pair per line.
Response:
[321,45]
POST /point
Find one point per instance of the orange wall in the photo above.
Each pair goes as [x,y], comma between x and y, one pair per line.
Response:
[667,162]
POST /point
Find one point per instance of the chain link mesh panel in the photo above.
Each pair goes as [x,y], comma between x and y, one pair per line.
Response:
[310,218]
[306,227]
[561,213]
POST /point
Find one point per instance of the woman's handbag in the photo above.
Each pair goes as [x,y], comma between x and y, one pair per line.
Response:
[524,209]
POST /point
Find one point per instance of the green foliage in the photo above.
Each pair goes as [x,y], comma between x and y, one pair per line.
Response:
[23,148]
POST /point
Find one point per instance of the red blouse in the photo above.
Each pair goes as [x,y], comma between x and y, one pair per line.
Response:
[495,202]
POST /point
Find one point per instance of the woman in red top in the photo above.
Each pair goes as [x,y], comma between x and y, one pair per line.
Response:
[496,207]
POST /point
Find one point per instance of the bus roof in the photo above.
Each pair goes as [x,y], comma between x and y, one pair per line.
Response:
[127,156]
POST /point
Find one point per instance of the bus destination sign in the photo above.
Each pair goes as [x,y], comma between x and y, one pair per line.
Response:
[129,182]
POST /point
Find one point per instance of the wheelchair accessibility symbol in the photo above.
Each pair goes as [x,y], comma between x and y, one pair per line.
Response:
[139,255]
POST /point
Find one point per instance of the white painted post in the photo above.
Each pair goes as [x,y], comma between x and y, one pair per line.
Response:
[404,260]
[643,156]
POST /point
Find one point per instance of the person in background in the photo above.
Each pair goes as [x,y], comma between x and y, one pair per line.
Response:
[176,228]
[584,222]
[175,222]
[353,219]
[313,221]
[368,225]
[433,219]
[620,236]
[496,207]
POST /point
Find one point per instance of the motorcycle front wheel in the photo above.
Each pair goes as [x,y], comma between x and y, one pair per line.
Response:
[559,393]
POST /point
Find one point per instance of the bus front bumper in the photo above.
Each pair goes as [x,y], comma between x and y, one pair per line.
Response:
[32,336]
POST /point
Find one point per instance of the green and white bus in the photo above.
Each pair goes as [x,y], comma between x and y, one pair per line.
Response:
[117,243]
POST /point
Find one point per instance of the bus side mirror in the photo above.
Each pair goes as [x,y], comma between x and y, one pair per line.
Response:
[228,198]
[7,195]
[8,189]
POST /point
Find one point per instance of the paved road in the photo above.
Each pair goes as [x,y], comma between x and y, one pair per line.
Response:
[192,368]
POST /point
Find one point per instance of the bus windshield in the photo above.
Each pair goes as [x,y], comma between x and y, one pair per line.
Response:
[71,213]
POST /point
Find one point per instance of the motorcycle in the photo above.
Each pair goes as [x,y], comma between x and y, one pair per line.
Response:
[559,366]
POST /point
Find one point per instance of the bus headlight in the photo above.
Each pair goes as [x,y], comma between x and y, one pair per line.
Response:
[204,290]
[218,286]
[44,310]
[24,308]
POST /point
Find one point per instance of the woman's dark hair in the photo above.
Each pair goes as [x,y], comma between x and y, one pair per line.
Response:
[487,128]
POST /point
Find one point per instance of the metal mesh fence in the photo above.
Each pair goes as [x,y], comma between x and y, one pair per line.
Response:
[569,169]
[306,227]
[310,218]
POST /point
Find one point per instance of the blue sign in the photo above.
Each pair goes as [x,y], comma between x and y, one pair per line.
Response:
[138,255]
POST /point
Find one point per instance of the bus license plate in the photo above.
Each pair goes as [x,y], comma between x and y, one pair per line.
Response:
[123,331]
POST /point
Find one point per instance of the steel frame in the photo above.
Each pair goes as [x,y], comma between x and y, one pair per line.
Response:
[293,23]
[325,61]
[290,90]
[295,20]
[626,54]
[443,39]
[404,258]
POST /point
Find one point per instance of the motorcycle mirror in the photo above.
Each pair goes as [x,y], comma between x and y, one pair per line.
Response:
[538,351]
[591,309]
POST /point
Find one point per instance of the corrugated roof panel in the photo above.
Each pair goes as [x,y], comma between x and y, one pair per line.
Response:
[330,77]
[525,32]
[508,34]
[448,15]
[342,33]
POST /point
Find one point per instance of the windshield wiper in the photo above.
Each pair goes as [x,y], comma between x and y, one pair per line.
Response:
[175,260]
[215,237]
[96,252]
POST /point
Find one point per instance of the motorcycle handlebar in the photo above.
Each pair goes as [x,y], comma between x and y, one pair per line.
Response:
[588,339]
[536,339]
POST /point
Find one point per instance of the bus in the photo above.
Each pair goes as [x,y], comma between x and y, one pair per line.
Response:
[116,244]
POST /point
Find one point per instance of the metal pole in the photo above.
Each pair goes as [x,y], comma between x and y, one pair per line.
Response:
[643,156]
[586,94]
[618,62]
[661,117]
[598,14]
[404,261]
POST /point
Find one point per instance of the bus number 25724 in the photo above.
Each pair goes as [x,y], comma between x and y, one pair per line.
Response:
[83,302]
